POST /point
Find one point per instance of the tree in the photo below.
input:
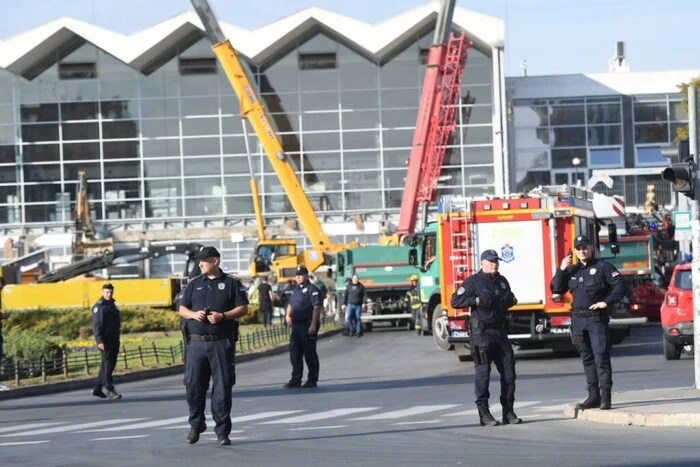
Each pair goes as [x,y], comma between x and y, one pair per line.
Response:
[682,132]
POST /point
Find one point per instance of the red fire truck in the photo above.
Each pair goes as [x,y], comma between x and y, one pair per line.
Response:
[532,233]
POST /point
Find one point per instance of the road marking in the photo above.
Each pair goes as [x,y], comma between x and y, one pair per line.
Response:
[423,422]
[29,426]
[80,426]
[181,427]
[22,443]
[138,426]
[331,427]
[417,410]
[258,416]
[120,437]
[320,415]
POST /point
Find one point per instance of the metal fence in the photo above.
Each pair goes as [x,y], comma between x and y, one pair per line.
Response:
[87,361]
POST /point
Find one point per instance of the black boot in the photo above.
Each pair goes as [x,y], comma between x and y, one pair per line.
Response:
[592,401]
[605,402]
[509,417]
[485,417]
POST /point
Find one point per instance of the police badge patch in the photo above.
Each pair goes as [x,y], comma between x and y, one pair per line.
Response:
[222,286]
[507,253]
[460,291]
[592,271]
[94,310]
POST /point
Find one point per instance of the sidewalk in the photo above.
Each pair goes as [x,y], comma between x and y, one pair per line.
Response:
[653,407]
[89,382]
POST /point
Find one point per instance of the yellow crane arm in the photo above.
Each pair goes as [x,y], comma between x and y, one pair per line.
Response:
[253,110]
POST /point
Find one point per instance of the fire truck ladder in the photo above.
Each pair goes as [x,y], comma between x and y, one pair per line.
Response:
[442,122]
[462,219]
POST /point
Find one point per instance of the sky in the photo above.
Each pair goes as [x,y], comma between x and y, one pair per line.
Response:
[552,36]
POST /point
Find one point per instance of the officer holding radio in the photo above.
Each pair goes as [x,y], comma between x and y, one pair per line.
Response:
[210,306]
[489,296]
[595,286]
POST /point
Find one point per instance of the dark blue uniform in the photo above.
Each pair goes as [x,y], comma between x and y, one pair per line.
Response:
[302,345]
[106,324]
[210,352]
[488,332]
[596,281]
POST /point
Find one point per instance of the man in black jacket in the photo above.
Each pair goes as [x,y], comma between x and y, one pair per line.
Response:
[489,296]
[595,286]
[106,324]
[355,301]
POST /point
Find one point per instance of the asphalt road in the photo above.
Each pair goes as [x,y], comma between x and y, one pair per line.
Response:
[389,398]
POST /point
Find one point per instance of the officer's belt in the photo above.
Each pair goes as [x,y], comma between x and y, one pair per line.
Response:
[585,313]
[207,337]
[484,325]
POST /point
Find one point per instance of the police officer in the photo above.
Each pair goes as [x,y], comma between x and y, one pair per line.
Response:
[595,286]
[211,304]
[354,302]
[106,324]
[303,315]
[489,296]
[413,302]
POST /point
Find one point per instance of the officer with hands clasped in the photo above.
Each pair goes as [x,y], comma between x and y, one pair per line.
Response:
[106,324]
[595,286]
[489,296]
[303,315]
[210,306]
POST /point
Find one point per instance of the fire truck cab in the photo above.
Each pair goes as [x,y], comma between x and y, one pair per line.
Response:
[532,233]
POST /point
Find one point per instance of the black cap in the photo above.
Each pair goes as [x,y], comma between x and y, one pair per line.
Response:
[108,286]
[302,271]
[489,255]
[208,252]
[581,240]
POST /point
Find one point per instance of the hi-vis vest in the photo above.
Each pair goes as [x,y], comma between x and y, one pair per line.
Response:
[413,299]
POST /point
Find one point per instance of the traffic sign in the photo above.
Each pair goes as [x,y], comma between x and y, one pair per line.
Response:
[681,220]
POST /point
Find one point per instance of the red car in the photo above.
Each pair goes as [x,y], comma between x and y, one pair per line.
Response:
[647,296]
[677,312]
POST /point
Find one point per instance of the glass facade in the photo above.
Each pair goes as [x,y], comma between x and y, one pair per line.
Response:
[166,145]
[601,132]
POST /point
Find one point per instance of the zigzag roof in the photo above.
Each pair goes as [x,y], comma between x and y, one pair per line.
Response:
[20,52]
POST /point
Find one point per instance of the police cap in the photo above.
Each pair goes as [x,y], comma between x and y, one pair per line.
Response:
[208,252]
[108,286]
[489,255]
[581,240]
[302,271]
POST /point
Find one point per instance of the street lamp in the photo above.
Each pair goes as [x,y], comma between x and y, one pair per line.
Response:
[576,162]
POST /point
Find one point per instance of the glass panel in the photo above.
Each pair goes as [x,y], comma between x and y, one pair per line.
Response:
[161,148]
[359,180]
[477,134]
[41,213]
[400,97]
[7,114]
[527,116]
[237,185]
[236,144]
[400,74]
[200,146]
[405,118]
[70,171]
[478,94]
[275,103]
[239,205]
[162,188]
[396,158]
[561,158]
[360,119]
[606,157]
[397,138]
[200,106]
[280,77]
[527,160]
[123,209]
[81,151]
[42,173]
[478,155]
[41,153]
[318,80]
[199,85]
[8,154]
[651,133]
[119,89]
[359,99]
[30,113]
[117,110]
[7,134]
[604,135]
[160,127]
[39,193]
[476,176]
[320,121]
[392,198]
[46,132]
[531,179]
[604,113]
[123,190]
[531,138]
[120,129]
[360,139]
[122,169]
[320,101]
[80,131]
[210,186]
[276,204]
[203,166]
[573,136]
[650,112]
[151,108]
[567,115]
[361,160]
[321,141]
[204,207]
[677,112]
[200,126]
[78,90]
[79,111]
[325,161]
[650,156]
[473,114]
[8,174]
[161,168]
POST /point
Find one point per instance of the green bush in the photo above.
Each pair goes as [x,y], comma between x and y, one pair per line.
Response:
[29,345]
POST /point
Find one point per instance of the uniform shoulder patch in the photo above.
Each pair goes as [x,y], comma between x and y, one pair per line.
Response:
[615,273]
[95,309]
[503,285]
[460,291]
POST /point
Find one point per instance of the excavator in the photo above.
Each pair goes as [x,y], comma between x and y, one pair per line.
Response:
[279,256]
[85,243]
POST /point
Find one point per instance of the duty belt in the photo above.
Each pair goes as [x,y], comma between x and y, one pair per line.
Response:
[585,313]
[207,337]
[484,325]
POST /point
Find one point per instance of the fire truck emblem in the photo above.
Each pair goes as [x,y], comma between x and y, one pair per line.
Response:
[507,253]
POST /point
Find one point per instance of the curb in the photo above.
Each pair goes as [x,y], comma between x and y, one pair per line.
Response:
[627,418]
[86,383]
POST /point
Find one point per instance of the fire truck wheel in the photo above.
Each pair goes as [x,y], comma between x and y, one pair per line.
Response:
[440,333]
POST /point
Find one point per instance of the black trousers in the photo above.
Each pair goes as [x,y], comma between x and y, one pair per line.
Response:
[591,336]
[492,346]
[302,347]
[215,361]
[109,361]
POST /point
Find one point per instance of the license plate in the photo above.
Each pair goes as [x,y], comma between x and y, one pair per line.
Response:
[460,334]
